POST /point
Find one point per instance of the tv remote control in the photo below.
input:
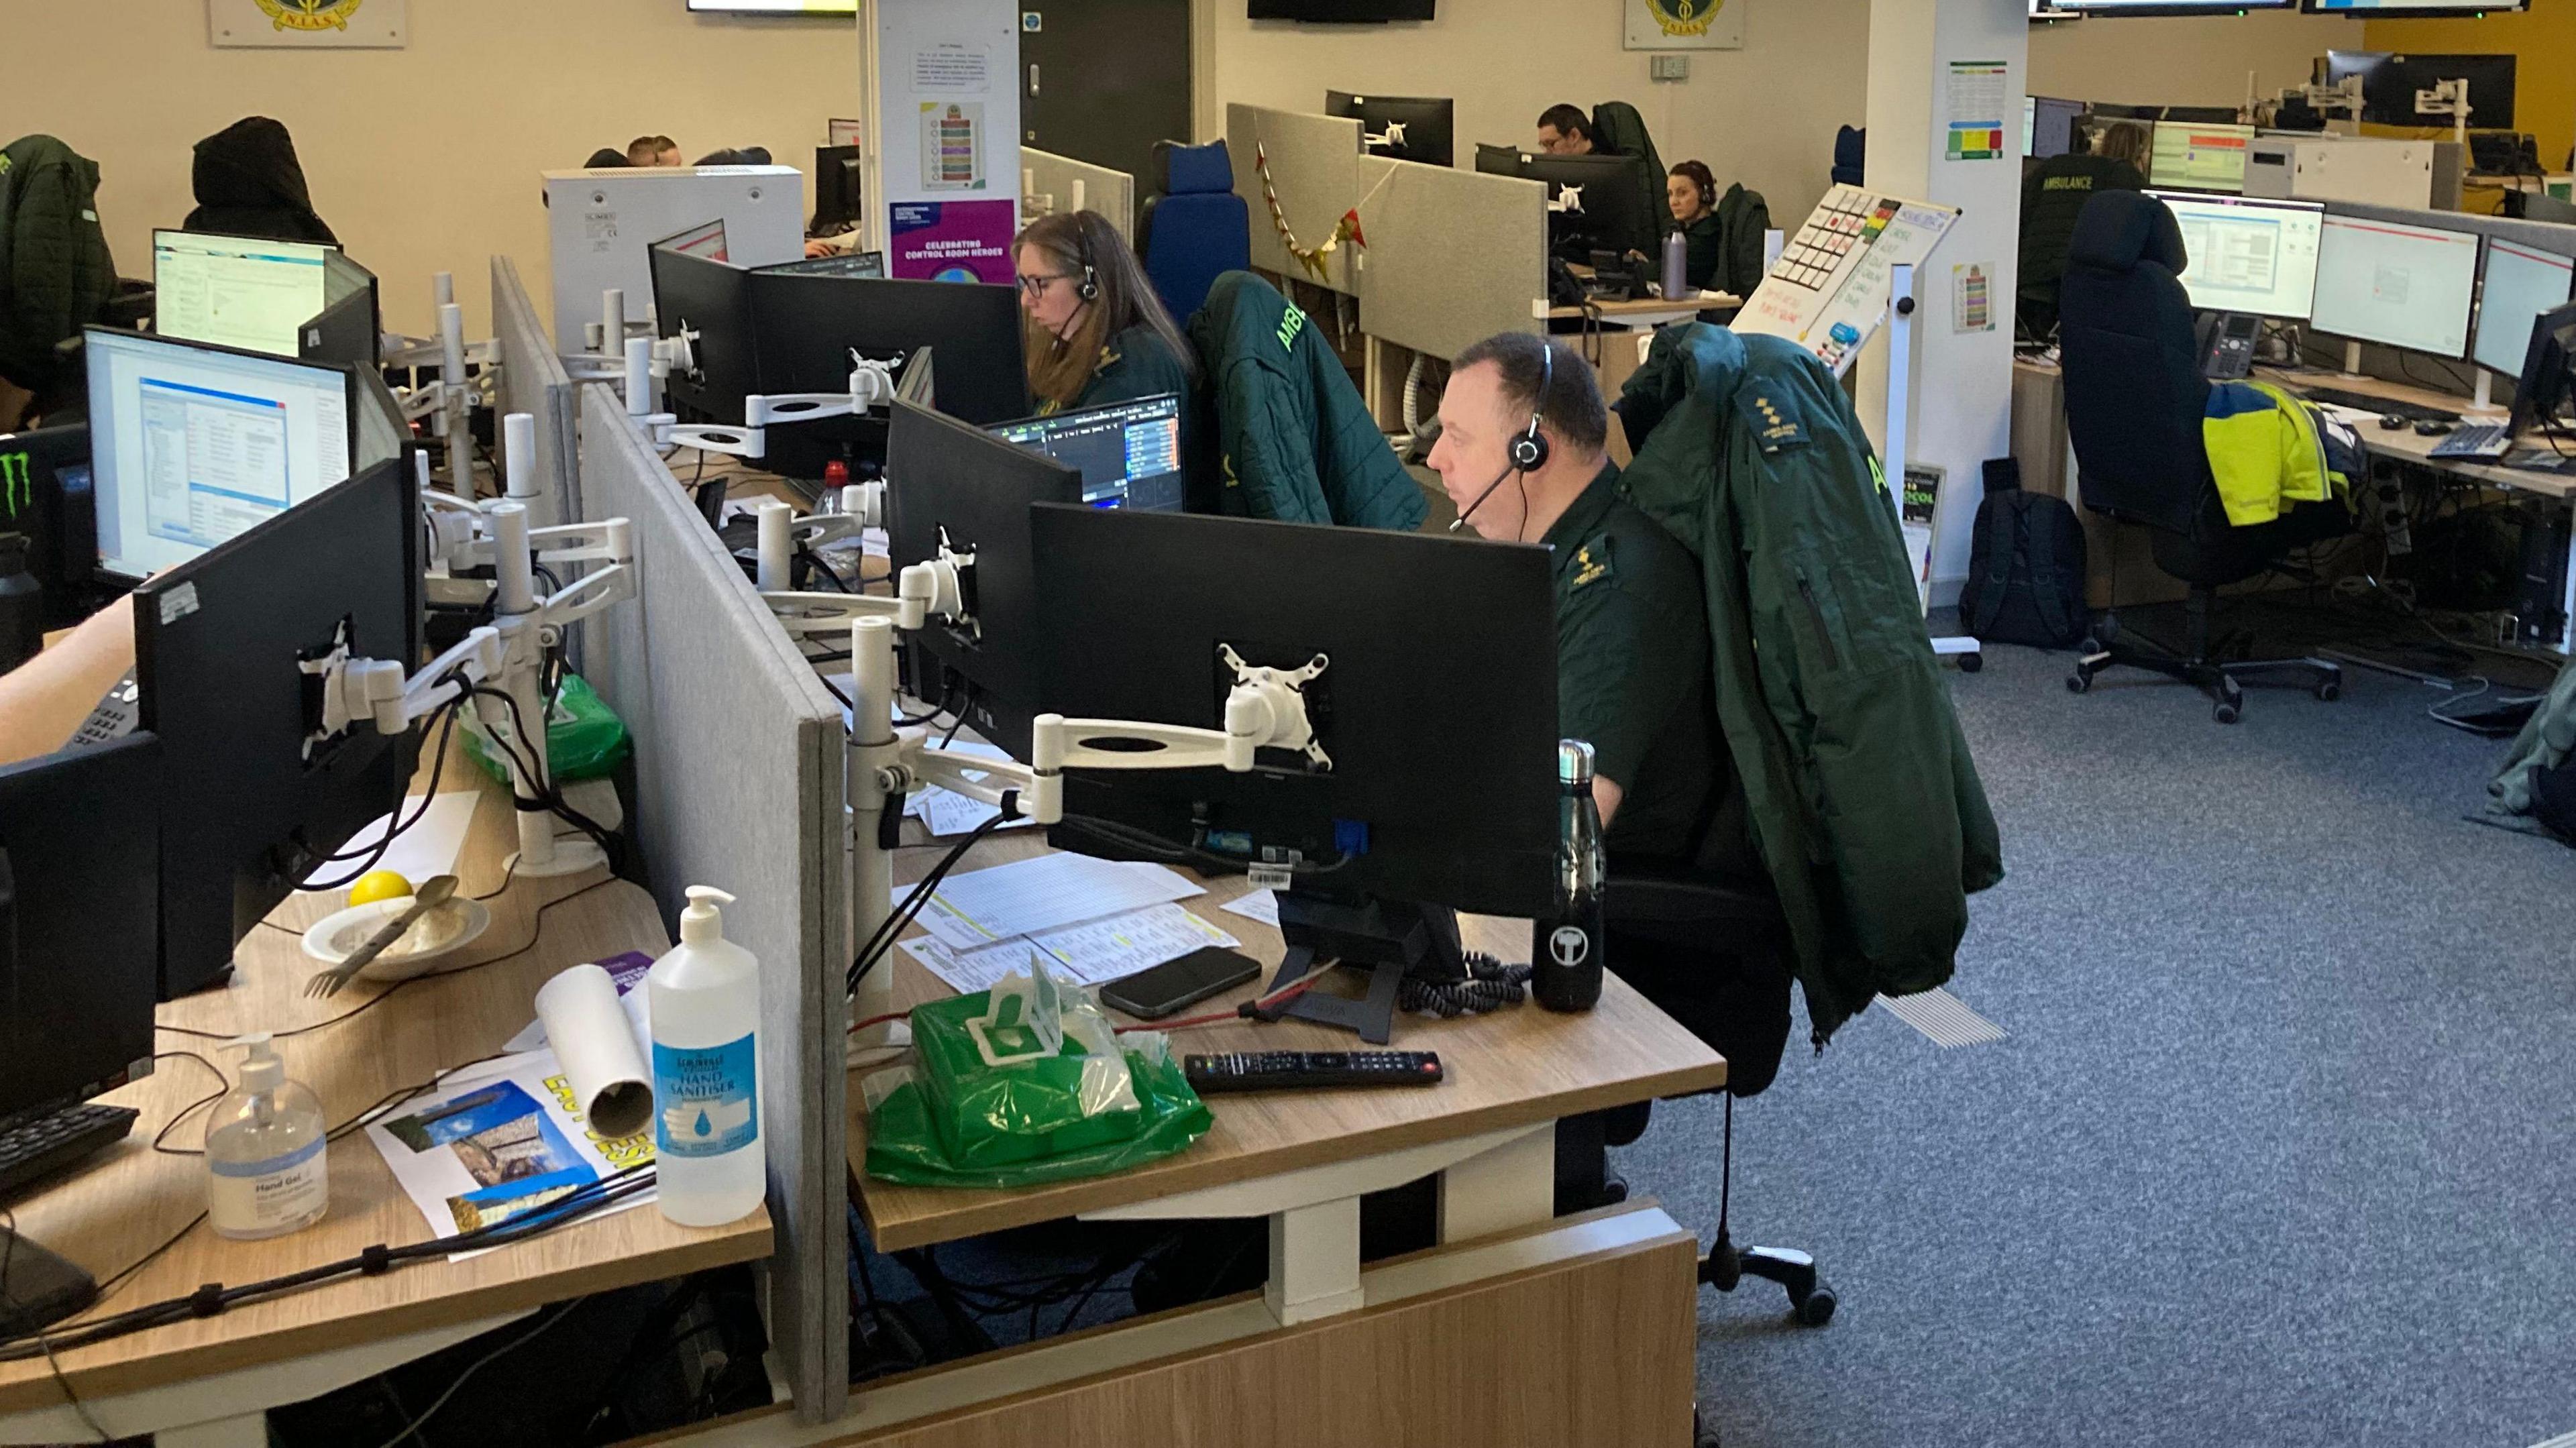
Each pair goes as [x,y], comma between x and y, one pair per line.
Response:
[1301,1070]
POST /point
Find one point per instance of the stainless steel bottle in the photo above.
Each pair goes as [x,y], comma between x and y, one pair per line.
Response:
[1566,948]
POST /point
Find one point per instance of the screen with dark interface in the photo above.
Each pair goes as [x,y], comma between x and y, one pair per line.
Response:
[1129,453]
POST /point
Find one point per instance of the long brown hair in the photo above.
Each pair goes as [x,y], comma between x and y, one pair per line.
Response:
[1084,243]
[2125,142]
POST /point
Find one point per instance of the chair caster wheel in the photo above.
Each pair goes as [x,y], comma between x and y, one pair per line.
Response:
[1702,1435]
[2079,683]
[2328,692]
[1972,663]
[2106,629]
[1815,1309]
[2225,713]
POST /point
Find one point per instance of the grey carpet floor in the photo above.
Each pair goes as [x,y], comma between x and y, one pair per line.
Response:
[2281,1146]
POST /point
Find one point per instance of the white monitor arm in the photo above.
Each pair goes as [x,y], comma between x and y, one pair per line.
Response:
[871,383]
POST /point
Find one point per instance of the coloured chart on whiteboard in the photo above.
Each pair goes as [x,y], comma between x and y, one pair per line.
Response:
[1830,290]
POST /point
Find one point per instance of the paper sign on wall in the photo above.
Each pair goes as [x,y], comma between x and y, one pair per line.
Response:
[1830,290]
[949,124]
[1972,302]
[1979,93]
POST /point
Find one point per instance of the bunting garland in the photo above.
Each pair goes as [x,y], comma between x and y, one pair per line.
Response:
[1315,258]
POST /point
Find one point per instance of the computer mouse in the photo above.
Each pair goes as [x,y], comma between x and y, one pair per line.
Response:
[2392,422]
[2432,427]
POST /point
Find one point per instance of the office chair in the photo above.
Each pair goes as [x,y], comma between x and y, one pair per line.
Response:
[1744,1018]
[1193,229]
[2135,398]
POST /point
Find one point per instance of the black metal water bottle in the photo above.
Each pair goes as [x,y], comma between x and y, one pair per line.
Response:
[1566,947]
[22,605]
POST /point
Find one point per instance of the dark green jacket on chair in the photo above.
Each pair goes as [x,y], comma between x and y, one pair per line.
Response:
[1865,805]
[55,271]
[1293,440]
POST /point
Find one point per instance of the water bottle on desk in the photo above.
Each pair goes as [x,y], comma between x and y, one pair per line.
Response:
[1676,266]
[1566,947]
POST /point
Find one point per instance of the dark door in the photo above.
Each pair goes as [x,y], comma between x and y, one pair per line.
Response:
[1103,80]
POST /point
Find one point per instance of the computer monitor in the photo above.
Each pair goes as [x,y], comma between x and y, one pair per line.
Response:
[837,203]
[844,264]
[350,326]
[2258,258]
[706,240]
[1401,128]
[193,444]
[236,291]
[2390,84]
[250,804]
[2052,131]
[2199,156]
[45,496]
[2396,9]
[1594,203]
[2172,7]
[2548,373]
[807,326]
[1128,453]
[709,301]
[1437,704]
[2521,284]
[949,483]
[2397,285]
[2201,115]
[80,909]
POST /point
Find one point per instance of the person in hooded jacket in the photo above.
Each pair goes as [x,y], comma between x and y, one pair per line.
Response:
[249,183]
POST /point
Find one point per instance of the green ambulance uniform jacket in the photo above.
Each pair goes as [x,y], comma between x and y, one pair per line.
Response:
[1632,668]
[1133,365]
[2052,197]
[1865,806]
[55,271]
[1704,250]
[1290,436]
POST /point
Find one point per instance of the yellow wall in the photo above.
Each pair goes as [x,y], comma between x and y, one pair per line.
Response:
[423,159]
[2545,81]
[2195,61]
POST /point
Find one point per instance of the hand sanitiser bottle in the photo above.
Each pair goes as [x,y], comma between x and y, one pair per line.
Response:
[705,1000]
[267,1152]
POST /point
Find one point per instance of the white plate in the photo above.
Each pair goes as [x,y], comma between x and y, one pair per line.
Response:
[444,931]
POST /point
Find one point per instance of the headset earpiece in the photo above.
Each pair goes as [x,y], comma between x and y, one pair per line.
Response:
[1529,450]
[1089,287]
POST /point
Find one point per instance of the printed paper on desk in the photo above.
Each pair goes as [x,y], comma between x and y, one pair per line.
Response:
[1261,905]
[1095,952]
[948,813]
[428,848]
[1034,896]
[498,1141]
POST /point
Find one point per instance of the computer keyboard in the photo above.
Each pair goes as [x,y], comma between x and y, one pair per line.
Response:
[118,711]
[2384,407]
[38,1147]
[2477,440]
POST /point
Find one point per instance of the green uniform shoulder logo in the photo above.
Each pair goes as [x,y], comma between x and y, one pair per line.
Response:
[1774,428]
[17,485]
[1592,563]
[1290,325]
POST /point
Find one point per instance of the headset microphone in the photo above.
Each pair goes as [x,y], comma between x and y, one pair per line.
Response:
[1501,478]
[1529,449]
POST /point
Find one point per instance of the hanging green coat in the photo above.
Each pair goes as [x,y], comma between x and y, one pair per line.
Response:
[1293,440]
[1865,805]
[55,271]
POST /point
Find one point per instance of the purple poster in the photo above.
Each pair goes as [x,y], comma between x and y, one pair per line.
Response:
[954,241]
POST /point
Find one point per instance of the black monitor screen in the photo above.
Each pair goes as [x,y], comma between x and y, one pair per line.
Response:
[1401,128]
[1129,453]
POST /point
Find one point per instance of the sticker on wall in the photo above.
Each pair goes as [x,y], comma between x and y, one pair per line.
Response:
[1978,95]
[952,145]
[1685,24]
[1972,303]
[953,241]
[310,24]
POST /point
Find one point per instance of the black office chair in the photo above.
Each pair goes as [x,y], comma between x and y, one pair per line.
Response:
[2135,398]
[1743,1015]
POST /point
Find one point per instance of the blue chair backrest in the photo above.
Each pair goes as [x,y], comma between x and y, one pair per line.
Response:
[1194,229]
[1851,156]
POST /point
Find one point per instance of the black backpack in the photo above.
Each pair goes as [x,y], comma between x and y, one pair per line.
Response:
[2026,569]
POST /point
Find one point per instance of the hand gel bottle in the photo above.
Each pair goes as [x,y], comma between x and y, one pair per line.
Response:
[267,1152]
[705,999]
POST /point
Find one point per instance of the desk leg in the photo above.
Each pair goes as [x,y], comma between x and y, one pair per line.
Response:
[1512,1185]
[2567,602]
[1314,1261]
[250,1430]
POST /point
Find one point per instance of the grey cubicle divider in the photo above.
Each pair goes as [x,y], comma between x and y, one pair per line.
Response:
[1314,167]
[1453,257]
[739,761]
[1111,193]
[533,381]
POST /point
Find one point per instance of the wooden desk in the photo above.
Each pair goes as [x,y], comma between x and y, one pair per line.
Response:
[209,1382]
[1506,1270]
[1646,313]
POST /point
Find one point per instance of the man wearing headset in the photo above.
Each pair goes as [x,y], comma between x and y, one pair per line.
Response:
[1523,433]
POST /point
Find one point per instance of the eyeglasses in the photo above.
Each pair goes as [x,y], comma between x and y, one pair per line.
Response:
[1031,286]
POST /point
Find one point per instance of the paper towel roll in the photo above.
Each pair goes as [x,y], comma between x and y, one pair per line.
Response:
[588,1029]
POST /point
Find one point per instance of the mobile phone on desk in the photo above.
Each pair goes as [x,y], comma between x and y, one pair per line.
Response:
[1150,995]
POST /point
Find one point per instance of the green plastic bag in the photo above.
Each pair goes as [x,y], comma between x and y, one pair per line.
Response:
[584,737]
[1017,1085]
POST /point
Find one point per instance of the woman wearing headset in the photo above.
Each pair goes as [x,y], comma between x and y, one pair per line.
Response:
[1097,333]
[1691,192]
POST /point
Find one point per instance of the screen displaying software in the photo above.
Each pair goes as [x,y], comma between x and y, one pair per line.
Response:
[2194,157]
[237,291]
[1129,453]
[2521,284]
[191,447]
[2397,285]
[2257,257]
